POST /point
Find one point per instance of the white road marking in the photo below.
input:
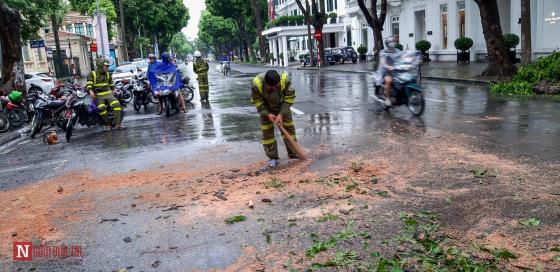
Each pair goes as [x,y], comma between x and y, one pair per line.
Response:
[240,82]
[25,167]
[296,111]
[435,100]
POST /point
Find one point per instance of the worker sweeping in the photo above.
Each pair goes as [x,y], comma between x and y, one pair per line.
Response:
[273,95]
[201,69]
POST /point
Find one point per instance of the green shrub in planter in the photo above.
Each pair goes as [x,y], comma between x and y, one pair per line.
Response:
[399,46]
[299,19]
[511,40]
[332,15]
[271,56]
[423,46]
[463,43]
[362,50]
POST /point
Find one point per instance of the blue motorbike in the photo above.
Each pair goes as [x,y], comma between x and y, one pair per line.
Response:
[406,89]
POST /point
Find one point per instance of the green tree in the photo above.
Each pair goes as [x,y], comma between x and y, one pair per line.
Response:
[180,45]
[216,33]
[21,20]
[238,11]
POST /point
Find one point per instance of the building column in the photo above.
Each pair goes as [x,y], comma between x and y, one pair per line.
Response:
[275,50]
[270,49]
[452,23]
[285,50]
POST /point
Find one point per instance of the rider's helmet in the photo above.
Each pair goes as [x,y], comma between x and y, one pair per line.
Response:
[165,57]
[197,54]
[390,43]
[151,56]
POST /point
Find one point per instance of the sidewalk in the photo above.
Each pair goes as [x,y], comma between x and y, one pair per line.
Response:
[433,70]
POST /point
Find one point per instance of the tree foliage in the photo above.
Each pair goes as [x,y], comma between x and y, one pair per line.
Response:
[155,18]
[34,14]
[180,45]
[217,33]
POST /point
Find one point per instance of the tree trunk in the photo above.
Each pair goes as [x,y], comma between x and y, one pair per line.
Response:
[318,22]
[376,23]
[259,23]
[526,52]
[499,63]
[305,11]
[10,27]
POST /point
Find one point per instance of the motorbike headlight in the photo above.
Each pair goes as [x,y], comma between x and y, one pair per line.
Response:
[81,94]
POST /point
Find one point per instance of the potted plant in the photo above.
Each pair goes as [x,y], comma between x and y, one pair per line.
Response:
[362,53]
[424,46]
[332,16]
[281,59]
[399,46]
[511,41]
[300,19]
[271,57]
[463,45]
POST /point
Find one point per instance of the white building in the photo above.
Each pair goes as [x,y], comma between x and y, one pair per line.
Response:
[440,22]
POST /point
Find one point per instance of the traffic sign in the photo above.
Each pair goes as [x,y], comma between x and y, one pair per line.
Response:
[317,35]
[49,53]
[93,47]
[37,43]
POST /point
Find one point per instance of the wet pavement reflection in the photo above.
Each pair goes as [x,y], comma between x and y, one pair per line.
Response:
[332,109]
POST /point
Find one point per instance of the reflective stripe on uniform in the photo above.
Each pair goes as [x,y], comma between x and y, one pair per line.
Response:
[104,93]
[258,103]
[268,141]
[117,109]
[258,83]
[113,103]
[283,80]
[288,124]
[265,127]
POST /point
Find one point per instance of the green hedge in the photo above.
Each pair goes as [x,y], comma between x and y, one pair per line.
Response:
[399,46]
[511,40]
[286,21]
[423,46]
[528,76]
[362,50]
[463,43]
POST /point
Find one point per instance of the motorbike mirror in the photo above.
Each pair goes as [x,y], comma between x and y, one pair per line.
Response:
[132,71]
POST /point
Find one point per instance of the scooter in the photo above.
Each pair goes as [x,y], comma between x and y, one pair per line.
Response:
[406,90]
[142,93]
[84,111]
[49,108]
[166,92]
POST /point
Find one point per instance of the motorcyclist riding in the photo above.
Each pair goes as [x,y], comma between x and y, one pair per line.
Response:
[388,57]
[100,87]
[167,67]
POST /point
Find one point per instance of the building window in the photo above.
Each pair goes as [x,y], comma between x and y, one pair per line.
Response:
[364,37]
[395,27]
[348,36]
[39,54]
[443,10]
[69,28]
[461,8]
[331,5]
[89,30]
[79,29]
[26,56]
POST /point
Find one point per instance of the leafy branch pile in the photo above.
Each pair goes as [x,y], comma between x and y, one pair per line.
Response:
[422,248]
[534,78]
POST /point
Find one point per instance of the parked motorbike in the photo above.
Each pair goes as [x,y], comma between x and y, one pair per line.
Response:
[15,111]
[84,111]
[187,90]
[49,108]
[142,93]
[124,91]
[406,90]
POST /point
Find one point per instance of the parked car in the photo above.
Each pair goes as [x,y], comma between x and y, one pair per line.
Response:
[125,71]
[335,54]
[348,54]
[142,65]
[305,60]
[39,82]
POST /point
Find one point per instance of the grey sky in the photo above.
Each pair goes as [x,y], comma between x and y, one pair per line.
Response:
[195,10]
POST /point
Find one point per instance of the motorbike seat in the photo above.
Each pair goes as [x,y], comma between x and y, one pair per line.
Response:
[56,103]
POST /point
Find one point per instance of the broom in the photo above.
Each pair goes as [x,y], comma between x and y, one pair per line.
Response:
[299,152]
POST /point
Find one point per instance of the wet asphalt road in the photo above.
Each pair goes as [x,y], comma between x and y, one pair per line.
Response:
[331,107]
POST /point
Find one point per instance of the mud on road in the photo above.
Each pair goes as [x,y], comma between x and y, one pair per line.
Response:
[332,212]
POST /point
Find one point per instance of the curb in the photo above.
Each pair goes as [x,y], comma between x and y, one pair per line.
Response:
[457,80]
[12,136]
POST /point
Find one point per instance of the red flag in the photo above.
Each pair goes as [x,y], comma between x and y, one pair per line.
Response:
[271,13]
